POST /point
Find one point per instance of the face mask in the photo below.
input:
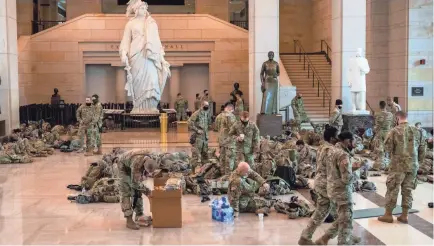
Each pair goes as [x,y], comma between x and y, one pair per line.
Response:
[299,97]
[205,108]
[94,100]
[88,104]
[244,122]
[339,107]
[206,94]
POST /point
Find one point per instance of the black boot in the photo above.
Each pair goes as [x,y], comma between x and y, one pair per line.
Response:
[205,199]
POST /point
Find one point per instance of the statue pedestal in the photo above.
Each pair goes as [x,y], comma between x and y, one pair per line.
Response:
[269,124]
[353,121]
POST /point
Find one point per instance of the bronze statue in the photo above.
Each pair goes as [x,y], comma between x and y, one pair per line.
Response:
[269,85]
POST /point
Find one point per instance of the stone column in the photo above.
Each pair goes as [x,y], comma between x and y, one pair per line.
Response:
[175,81]
[263,37]
[121,79]
[348,34]
[9,94]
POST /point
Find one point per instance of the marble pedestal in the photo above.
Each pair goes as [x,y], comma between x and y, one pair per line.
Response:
[355,121]
[269,124]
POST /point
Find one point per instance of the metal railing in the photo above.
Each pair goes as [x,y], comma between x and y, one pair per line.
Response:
[325,47]
[311,72]
[39,26]
[328,52]
[242,24]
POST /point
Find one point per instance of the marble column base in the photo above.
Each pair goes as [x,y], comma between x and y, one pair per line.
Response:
[269,124]
[356,121]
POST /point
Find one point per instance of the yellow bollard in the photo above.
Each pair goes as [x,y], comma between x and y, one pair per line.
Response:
[163,123]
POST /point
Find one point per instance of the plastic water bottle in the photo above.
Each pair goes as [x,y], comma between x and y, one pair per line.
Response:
[83,190]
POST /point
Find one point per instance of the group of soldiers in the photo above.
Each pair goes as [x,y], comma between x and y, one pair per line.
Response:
[181,105]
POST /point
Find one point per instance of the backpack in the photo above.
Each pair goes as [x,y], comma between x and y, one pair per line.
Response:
[286,173]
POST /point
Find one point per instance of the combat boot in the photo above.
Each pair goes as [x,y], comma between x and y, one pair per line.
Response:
[387,217]
[305,241]
[205,199]
[98,152]
[131,224]
[355,240]
[324,240]
[89,152]
[403,218]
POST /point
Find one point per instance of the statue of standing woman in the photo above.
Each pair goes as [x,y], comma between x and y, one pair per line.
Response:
[270,85]
[142,52]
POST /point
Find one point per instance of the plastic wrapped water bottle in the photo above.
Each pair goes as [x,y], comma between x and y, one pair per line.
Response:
[83,190]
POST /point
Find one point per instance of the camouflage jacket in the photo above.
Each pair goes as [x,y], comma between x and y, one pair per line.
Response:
[383,122]
[199,120]
[86,115]
[250,144]
[239,106]
[197,104]
[340,176]
[99,113]
[298,107]
[407,148]
[131,163]
[181,104]
[226,121]
[324,154]
[239,189]
[336,118]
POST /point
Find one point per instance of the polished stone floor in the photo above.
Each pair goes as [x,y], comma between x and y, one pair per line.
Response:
[34,209]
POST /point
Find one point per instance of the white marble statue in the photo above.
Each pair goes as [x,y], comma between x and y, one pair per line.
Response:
[142,52]
[358,68]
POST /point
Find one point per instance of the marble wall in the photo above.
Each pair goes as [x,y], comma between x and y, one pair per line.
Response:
[321,23]
[54,58]
[217,8]
[24,17]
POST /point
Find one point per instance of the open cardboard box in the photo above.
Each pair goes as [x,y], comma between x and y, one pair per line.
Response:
[166,206]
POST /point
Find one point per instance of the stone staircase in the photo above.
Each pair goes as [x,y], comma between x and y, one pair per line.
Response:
[314,106]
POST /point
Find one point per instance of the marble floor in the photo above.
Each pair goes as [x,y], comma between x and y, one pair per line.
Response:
[34,208]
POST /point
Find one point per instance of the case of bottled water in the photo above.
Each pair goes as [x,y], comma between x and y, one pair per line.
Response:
[222,210]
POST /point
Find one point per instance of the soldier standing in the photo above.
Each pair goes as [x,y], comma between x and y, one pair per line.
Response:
[207,98]
[99,113]
[336,117]
[239,104]
[383,123]
[181,106]
[393,108]
[87,119]
[407,147]
[226,142]
[247,139]
[197,102]
[300,115]
[132,166]
[198,124]
[241,195]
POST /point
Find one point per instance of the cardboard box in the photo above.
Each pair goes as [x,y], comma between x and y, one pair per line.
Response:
[181,127]
[166,206]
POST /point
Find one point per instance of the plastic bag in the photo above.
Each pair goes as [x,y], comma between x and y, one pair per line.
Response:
[221,210]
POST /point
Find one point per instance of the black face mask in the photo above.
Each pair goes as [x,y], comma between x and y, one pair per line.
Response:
[95,101]
[206,94]
[245,122]
[205,108]
[339,107]
[88,104]
[299,97]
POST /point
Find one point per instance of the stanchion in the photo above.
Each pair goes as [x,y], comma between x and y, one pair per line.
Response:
[163,123]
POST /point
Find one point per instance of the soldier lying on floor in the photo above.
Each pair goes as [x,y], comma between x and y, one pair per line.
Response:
[296,208]
[8,154]
[103,190]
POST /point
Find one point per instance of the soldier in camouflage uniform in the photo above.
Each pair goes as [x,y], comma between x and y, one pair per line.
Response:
[87,118]
[104,190]
[340,179]
[197,102]
[198,124]
[247,139]
[7,152]
[305,162]
[239,104]
[393,108]
[383,123]
[226,142]
[336,116]
[207,98]
[407,148]
[300,115]
[97,130]
[181,105]
[132,165]
[294,209]
[241,194]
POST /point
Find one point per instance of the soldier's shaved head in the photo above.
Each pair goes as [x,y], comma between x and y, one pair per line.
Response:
[205,103]
[243,168]
[150,165]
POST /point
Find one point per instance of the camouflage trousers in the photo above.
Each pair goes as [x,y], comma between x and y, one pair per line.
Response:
[127,196]
[199,151]
[181,115]
[227,159]
[246,157]
[407,182]
[9,159]
[253,204]
[381,162]
[88,131]
[96,136]
[344,223]
[323,207]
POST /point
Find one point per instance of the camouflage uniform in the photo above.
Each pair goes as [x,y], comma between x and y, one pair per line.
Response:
[87,118]
[394,108]
[383,122]
[95,172]
[300,115]
[99,114]
[336,120]
[131,167]
[323,204]
[181,105]
[226,142]
[305,168]
[197,103]
[175,162]
[407,148]
[211,105]
[199,120]
[105,190]
[239,107]
[250,145]
[8,155]
[340,190]
[242,195]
